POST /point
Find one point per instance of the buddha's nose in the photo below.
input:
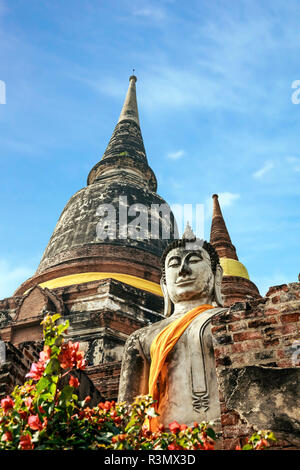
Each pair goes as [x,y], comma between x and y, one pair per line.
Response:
[185,269]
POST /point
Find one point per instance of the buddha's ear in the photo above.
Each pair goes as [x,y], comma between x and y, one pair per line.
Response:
[218,298]
[168,302]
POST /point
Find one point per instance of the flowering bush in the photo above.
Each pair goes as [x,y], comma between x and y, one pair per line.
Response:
[42,414]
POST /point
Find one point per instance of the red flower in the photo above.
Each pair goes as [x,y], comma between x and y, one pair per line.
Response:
[70,356]
[238,448]
[105,406]
[36,371]
[7,403]
[261,444]
[174,427]
[7,436]
[183,427]
[23,414]
[74,382]
[25,442]
[208,446]
[35,423]
[174,446]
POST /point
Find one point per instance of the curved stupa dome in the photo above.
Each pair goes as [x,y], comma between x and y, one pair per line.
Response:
[117,224]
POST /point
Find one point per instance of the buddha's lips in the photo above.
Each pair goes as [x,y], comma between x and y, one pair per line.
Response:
[185,281]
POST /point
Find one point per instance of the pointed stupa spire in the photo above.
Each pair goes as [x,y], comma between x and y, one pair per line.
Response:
[126,151]
[130,108]
[188,233]
[219,236]
[236,284]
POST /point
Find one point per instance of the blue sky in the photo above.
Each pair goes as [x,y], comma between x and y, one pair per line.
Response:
[214,92]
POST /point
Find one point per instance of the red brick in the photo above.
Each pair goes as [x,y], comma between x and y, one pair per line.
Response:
[237,326]
[273,289]
[271,311]
[229,419]
[290,329]
[280,354]
[219,329]
[245,346]
[230,444]
[261,322]
[267,343]
[290,317]
[285,363]
[247,335]
[235,431]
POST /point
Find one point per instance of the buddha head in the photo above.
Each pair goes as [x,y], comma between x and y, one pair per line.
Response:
[190,271]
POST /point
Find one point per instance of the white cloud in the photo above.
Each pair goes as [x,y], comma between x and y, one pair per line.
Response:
[295,163]
[156,14]
[11,277]
[176,155]
[227,199]
[262,171]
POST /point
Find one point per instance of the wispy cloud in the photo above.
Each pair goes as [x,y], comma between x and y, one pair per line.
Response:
[150,12]
[259,174]
[294,162]
[176,155]
[227,199]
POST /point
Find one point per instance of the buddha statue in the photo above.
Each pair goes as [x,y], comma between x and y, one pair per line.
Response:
[173,359]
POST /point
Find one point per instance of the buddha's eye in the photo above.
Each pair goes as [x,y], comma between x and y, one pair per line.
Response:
[194,259]
[174,262]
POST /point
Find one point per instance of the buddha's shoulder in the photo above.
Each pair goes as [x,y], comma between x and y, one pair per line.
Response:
[147,333]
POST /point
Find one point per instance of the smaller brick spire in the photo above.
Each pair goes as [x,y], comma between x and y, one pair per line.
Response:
[219,236]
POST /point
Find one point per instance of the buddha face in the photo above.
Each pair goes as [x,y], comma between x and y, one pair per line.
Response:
[188,275]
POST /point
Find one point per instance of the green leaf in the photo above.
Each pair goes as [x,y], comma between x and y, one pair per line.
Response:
[42,384]
[53,367]
[66,393]
[211,433]
[247,447]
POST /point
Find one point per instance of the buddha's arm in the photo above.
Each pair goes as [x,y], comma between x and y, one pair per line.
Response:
[134,370]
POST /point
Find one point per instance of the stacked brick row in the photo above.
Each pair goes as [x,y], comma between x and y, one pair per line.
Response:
[261,332]
[17,363]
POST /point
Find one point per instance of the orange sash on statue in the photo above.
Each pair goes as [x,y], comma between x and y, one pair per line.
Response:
[160,348]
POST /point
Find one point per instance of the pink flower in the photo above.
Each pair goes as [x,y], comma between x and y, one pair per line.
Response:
[36,371]
[174,427]
[7,436]
[74,382]
[45,355]
[28,402]
[35,423]
[25,442]
[7,403]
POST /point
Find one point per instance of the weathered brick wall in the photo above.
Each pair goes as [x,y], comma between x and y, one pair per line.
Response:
[17,364]
[256,333]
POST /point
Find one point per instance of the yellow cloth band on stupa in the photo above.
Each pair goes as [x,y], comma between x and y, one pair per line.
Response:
[232,267]
[81,278]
